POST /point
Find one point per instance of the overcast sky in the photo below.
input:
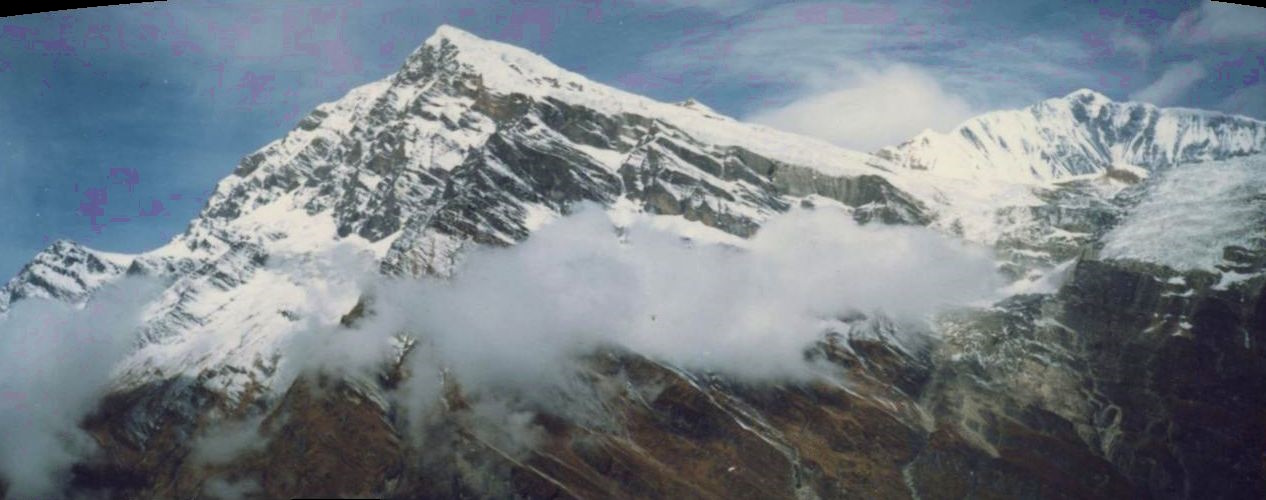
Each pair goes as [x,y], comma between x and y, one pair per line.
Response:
[177,92]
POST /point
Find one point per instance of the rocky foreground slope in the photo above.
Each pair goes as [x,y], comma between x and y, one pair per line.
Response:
[1109,371]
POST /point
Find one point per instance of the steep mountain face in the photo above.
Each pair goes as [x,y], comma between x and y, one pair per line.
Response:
[476,141]
[1108,373]
[1082,133]
[470,143]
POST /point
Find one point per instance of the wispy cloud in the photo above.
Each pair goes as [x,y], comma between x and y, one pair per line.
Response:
[1219,22]
[1246,100]
[1137,46]
[784,53]
[723,6]
[1172,85]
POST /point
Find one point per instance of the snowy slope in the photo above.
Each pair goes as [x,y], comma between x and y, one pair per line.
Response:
[505,68]
[1081,133]
[1038,177]
[64,271]
[1193,213]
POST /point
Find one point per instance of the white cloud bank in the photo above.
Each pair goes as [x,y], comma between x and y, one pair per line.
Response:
[56,362]
[510,324]
[878,108]
[514,319]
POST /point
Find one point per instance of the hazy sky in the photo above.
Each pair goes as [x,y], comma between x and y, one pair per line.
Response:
[169,96]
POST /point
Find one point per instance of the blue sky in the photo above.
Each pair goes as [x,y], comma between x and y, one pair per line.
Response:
[169,96]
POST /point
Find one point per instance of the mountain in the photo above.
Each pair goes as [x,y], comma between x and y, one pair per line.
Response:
[1079,134]
[1114,370]
[1044,182]
[64,271]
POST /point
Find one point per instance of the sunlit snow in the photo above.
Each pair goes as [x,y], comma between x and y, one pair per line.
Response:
[1193,212]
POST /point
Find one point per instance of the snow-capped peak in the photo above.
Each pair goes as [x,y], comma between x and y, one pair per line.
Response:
[1082,133]
[496,66]
[471,143]
[1089,100]
[1087,95]
[64,271]
[694,104]
[475,142]
[492,59]
[381,148]
[505,69]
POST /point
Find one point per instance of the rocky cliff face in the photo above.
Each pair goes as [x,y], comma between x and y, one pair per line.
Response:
[1100,376]
[1150,368]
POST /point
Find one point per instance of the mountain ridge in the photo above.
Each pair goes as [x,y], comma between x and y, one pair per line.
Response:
[531,75]
[454,57]
[1081,133]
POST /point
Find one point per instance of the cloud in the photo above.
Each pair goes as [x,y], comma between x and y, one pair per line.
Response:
[575,287]
[724,6]
[57,360]
[1248,100]
[785,51]
[1214,22]
[512,322]
[227,441]
[879,108]
[223,444]
[223,489]
[1172,85]
[1139,47]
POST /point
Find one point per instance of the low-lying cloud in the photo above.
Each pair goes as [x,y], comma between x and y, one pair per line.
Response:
[228,441]
[224,489]
[515,317]
[57,361]
[510,324]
